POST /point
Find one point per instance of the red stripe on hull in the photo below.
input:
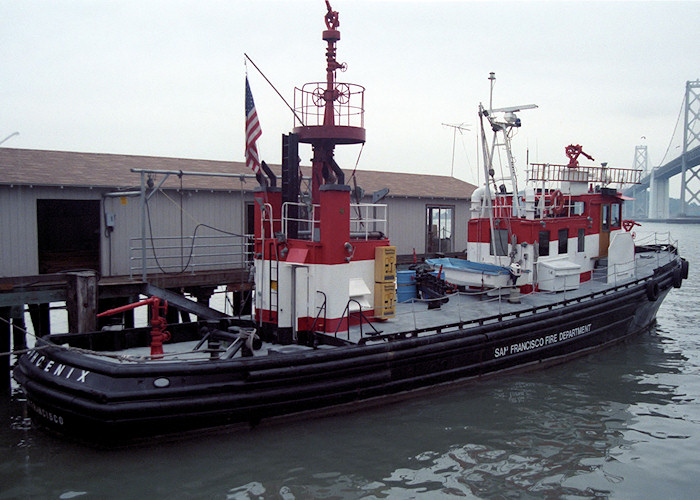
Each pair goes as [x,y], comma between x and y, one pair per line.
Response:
[328,325]
[335,324]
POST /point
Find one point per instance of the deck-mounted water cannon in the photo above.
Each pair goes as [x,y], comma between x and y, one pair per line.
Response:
[329,113]
[159,309]
[573,151]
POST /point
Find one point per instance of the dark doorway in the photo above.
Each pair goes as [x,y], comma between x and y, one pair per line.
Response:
[69,235]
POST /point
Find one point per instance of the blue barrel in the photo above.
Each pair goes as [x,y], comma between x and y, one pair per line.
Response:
[406,286]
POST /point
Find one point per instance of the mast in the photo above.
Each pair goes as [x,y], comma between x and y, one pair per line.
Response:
[502,120]
[331,113]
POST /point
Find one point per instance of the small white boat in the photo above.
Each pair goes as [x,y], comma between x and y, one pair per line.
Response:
[467,273]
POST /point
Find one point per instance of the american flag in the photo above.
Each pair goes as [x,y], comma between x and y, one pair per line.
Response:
[252,131]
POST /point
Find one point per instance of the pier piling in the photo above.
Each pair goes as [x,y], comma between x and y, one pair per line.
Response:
[5,359]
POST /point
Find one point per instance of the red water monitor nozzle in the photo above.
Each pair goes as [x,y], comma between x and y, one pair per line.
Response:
[573,152]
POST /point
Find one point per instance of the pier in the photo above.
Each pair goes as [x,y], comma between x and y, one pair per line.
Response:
[85,294]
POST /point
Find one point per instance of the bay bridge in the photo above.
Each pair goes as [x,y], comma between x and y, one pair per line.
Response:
[651,198]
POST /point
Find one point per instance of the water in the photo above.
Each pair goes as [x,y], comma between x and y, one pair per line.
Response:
[622,423]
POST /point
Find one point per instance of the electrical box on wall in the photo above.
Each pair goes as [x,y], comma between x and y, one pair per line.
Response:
[109,220]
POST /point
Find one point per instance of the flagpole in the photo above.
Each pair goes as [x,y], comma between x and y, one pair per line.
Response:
[273,88]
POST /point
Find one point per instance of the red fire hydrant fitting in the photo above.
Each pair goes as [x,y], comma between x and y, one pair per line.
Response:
[158,322]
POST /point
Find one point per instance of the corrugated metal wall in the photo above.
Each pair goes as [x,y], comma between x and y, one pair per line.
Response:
[202,211]
[210,218]
[408,220]
[18,245]
[18,224]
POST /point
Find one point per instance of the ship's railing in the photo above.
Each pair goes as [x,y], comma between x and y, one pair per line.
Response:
[366,219]
[502,205]
[597,175]
[348,314]
[662,256]
[267,222]
[348,104]
[543,206]
[189,254]
[305,219]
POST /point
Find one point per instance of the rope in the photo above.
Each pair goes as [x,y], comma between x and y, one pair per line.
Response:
[22,351]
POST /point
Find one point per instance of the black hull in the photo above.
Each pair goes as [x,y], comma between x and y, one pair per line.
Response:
[100,401]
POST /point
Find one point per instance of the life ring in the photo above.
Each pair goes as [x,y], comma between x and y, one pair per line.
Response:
[557,202]
[652,289]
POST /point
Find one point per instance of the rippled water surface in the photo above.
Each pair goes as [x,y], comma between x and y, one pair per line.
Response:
[622,423]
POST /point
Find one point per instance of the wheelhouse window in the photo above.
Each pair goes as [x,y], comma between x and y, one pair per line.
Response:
[579,208]
[605,218]
[500,245]
[615,216]
[544,243]
[439,230]
[563,241]
[581,240]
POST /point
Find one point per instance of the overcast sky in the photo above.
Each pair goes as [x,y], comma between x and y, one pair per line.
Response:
[166,78]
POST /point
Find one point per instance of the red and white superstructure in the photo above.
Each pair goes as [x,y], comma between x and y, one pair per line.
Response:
[553,233]
[321,262]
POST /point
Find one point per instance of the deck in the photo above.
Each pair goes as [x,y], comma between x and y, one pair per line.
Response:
[414,318]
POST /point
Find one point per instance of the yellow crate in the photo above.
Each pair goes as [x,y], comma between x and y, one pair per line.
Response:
[384,300]
[384,264]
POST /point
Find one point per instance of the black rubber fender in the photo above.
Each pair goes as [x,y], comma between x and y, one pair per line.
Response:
[652,290]
[677,277]
[684,269]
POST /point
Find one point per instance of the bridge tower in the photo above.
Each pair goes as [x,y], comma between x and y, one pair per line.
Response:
[641,159]
[658,196]
[641,202]
[690,190]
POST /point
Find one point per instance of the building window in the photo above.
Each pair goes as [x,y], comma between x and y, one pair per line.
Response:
[501,243]
[439,230]
[544,243]
[563,241]
[581,240]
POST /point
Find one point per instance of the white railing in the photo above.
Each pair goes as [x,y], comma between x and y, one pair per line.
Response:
[366,218]
[188,254]
[305,219]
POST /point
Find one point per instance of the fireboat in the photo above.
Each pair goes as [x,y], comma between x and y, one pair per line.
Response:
[552,273]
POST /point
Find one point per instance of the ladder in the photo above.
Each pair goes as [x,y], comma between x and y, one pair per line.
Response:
[273,283]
